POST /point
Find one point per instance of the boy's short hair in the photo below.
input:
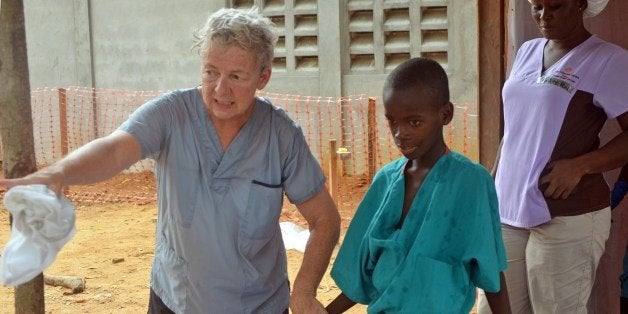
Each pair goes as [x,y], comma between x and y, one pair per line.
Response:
[420,73]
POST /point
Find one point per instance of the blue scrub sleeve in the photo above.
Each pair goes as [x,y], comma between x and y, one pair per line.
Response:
[149,124]
[302,175]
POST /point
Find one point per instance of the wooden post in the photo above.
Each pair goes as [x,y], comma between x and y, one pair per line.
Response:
[333,171]
[16,128]
[63,121]
[63,126]
[492,73]
[372,139]
[94,102]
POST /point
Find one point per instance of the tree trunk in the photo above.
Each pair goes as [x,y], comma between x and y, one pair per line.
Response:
[16,131]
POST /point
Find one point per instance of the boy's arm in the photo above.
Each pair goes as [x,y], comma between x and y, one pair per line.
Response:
[340,304]
[498,301]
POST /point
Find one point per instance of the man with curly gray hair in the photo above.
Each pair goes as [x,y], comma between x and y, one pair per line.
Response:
[223,160]
[246,29]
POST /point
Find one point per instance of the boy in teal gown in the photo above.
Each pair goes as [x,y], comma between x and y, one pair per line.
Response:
[427,232]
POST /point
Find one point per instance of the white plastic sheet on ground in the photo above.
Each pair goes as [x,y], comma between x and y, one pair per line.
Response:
[294,236]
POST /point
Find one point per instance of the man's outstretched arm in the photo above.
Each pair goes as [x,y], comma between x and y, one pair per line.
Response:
[96,161]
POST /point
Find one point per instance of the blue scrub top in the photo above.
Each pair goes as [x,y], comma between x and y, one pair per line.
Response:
[218,242]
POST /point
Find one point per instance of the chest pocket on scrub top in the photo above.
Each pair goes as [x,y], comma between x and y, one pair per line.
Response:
[263,209]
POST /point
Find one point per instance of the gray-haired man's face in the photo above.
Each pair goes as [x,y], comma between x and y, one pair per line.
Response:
[230,77]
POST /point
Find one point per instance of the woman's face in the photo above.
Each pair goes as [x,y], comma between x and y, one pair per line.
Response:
[558,19]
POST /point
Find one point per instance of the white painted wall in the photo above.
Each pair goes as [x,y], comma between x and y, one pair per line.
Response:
[57,36]
[146,45]
[138,45]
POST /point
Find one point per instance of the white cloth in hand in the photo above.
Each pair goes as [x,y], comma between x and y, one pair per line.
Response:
[42,224]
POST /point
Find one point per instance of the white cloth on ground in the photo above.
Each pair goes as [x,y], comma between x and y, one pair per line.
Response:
[42,224]
[294,236]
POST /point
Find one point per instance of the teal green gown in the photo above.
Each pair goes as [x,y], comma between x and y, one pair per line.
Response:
[449,244]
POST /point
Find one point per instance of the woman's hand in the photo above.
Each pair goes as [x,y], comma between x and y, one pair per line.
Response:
[563,177]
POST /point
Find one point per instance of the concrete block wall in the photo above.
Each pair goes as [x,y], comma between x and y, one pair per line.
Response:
[138,45]
[326,48]
[145,45]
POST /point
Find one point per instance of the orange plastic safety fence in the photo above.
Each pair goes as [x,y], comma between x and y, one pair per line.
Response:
[363,141]
[64,119]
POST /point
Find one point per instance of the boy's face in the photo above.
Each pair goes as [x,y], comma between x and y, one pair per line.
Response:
[416,122]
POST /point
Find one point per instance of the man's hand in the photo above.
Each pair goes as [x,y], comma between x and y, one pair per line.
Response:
[94,162]
[301,303]
[564,175]
[47,176]
[324,223]
[618,193]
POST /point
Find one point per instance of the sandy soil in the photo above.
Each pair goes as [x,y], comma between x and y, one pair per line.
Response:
[120,230]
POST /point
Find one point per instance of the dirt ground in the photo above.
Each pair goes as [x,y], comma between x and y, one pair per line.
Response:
[121,230]
[116,220]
